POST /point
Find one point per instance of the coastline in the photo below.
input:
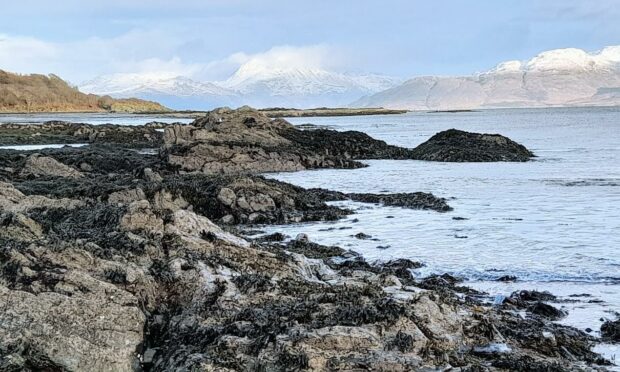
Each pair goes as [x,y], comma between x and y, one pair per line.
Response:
[174,248]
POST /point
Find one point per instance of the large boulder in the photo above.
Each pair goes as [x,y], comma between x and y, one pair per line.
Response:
[83,325]
[229,141]
[459,146]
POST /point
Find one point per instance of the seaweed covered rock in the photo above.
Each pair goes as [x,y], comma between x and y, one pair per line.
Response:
[416,200]
[610,330]
[250,199]
[55,132]
[459,146]
[122,284]
[37,165]
[229,141]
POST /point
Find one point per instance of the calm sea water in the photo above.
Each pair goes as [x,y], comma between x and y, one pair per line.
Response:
[553,222]
[90,118]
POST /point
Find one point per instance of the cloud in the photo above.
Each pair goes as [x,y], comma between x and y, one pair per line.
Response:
[291,57]
[151,54]
[21,54]
[314,57]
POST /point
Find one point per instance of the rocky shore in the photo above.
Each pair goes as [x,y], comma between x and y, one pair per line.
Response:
[458,146]
[53,132]
[114,258]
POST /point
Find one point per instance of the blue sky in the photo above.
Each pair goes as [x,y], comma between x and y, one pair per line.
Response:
[209,39]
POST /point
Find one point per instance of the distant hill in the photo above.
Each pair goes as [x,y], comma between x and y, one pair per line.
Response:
[40,93]
[562,77]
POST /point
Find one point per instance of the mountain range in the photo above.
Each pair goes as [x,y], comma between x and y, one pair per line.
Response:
[257,87]
[561,77]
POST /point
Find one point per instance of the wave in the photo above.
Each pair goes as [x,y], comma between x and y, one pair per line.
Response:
[521,275]
[613,182]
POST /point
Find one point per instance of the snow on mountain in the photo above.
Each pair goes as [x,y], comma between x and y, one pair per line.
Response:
[127,84]
[561,77]
[252,84]
[176,92]
[294,87]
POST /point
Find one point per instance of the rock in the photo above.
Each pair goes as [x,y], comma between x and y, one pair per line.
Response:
[229,141]
[261,203]
[152,176]
[301,237]
[227,196]
[507,278]
[362,236]
[547,311]
[126,196]
[255,218]
[37,165]
[275,237]
[275,202]
[610,330]
[417,200]
[149,356]
[227,219]
[85,331]
[533,296]
[53,132]
[459,146]
[86,167]
[140,217]
[183,222]
[13,200]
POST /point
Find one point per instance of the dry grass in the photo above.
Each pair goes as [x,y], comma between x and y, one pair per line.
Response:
[40,93]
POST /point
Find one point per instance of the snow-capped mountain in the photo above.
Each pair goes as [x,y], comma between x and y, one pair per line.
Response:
[302,87]
[250,84]
[175,92]
[562,77]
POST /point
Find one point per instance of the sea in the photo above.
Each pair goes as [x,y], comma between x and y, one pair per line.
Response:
[553,222]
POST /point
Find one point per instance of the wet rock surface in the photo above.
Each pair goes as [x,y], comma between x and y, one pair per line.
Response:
[135,265]
[610,330]
[458,146]
[417,200]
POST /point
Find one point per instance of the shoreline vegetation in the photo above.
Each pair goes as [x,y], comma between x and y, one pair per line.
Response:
[37,93]
[133,253]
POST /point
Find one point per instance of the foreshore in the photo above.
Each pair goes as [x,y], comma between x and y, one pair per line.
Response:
[130,253]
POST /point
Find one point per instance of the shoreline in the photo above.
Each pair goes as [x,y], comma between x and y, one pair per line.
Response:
[271,112]
[174,250]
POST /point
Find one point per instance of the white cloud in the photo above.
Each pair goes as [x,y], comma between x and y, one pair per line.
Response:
[22,54]
[286,58]
[290,57]
[151,54]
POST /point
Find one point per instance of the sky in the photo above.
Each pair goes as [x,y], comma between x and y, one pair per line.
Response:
[208,40]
